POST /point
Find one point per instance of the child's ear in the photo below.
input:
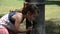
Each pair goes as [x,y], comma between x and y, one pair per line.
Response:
[25,4]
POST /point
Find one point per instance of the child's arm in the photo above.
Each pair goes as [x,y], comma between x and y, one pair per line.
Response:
[18,21]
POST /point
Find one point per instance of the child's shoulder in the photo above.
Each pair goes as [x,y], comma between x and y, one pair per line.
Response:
[19,13]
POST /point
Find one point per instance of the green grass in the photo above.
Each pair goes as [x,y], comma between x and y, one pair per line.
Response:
[52,11]
[6,5]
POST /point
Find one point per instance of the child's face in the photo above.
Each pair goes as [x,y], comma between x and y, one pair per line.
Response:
[31,17]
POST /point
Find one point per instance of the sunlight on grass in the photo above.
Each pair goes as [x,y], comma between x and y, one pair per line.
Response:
[52,11]
[7,5]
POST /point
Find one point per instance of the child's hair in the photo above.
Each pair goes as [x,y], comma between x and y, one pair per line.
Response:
[27,7]
[31,8]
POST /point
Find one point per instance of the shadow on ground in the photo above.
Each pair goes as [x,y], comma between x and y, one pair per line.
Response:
[53,26]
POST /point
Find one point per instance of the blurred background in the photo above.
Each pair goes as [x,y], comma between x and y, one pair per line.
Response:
[52,16]
[7,5]
[52,13]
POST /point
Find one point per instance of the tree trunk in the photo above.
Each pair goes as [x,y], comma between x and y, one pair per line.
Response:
[39,22]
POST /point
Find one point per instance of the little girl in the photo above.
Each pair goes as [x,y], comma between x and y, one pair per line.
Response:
[10,22]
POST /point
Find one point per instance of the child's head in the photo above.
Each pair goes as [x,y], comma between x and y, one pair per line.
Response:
[30,11]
